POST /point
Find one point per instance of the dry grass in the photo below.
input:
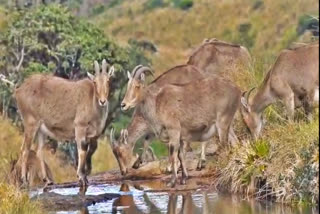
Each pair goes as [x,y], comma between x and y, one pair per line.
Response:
[3,19]
[10,141]
[103,159]
[13,201]
[176,32]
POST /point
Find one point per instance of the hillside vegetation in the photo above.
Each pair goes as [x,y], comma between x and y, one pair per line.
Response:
[264,27]
[283,165]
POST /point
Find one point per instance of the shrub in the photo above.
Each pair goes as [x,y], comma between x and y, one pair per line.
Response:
[307,22]
[184,4]
[152,4]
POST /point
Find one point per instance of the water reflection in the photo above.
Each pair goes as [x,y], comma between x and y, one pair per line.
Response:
[134,200]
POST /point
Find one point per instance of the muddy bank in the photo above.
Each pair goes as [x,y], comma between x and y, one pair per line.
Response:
[151,177]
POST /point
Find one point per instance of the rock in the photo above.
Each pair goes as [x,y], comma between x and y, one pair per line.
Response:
[55,202]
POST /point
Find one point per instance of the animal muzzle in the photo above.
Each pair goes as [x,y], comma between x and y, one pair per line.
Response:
[124,106]
[102,102]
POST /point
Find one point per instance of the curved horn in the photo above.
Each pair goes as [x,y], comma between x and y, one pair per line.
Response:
[249,92]
[96,67]
[142,70]
[135,69]
[104,66]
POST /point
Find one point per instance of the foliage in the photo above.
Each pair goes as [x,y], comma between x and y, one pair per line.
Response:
[307,22]
[154,4]
[98,9]
[183,4]
[13,201]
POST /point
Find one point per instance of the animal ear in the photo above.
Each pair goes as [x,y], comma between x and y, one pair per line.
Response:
[91,76]
[142,77]
[96,67]
[129,75]
[245,104]
[104,66]
[111,71]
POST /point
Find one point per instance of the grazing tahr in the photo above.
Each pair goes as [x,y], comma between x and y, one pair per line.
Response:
[293,79]
[64,110]
[139,127]
[218,57]
[181,113]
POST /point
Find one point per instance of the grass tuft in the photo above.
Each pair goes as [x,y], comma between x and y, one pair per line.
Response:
[13,201]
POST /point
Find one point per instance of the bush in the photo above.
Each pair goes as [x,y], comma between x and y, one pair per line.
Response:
[152,4]
[307,22]
[184,4]
[98,9]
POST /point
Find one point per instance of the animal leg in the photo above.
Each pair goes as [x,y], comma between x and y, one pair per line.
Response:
[146,144]
[93,145]
[223,126]
[289,104]
[286,94]
[82,146]
[45,176]
[202,160]
[308,105]
[30,131]
[174,136]
[188,147]
[181,156]
[232,136]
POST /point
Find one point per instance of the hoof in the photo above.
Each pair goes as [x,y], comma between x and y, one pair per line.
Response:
[168,169]
[201,165]
[83,182]
[48,183]
[172,183]
[183,181]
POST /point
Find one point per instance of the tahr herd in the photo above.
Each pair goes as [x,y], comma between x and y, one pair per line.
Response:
[191,102]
